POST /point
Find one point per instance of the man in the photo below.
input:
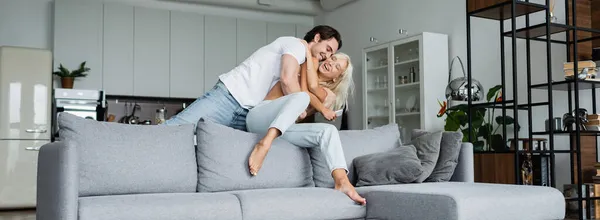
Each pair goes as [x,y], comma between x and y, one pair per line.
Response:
[243,87]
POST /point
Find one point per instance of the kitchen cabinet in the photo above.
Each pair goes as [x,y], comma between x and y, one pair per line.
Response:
[187,55]
[301,30]
[220,48]
[151,52]
[118,49]
[251,35]
[78,38]
[18,163]
[276,30]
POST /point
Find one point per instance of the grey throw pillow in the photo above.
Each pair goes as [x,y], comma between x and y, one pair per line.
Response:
[223,152]
[355,143]
[449,152]
[126,159]
[400,165]
[428,151]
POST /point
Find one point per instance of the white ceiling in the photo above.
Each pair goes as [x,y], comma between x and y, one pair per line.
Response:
[302,7]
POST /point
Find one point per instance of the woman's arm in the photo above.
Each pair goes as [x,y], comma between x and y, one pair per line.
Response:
[316,98]
[312,65]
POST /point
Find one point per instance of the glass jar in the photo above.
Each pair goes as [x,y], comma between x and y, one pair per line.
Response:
[160,116]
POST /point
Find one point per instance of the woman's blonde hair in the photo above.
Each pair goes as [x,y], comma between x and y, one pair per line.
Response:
[343,86]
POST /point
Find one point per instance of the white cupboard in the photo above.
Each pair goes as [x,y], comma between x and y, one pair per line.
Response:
[220,48]
[137,50]
[251,35]
[187,55]
[151,52]
[401,81]
[118,49]
[275,30]
[78,38]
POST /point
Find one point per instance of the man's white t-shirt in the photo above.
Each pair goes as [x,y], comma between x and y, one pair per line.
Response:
[252,80]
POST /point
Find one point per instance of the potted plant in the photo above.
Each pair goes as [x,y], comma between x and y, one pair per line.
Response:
[484,122]
[67,77]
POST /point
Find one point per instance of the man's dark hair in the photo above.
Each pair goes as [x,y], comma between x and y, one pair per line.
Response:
[326,33]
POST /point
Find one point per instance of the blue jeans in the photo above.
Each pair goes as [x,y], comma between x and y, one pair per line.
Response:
[217,105]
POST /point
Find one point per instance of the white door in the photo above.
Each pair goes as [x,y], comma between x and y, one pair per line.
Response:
[151,52]
[301,30]
[18,166]
[275,30]
[25,93]
[187,55]
[251,35]
[220,48]
[78,38]
[118,49]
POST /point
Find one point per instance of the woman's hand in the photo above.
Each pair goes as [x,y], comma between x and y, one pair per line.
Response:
[329,114]
[328,103]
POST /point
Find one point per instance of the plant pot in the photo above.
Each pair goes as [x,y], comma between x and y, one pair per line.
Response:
[67,82]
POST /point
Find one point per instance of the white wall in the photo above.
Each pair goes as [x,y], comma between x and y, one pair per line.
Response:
[26,23]
[29,23]
[382,19]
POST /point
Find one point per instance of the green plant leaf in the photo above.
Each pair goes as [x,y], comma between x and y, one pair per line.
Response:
[506,120]
[485,131]
[451,125]
[492,92]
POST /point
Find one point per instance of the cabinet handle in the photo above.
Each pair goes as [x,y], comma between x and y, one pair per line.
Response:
[35,130]
[33,148]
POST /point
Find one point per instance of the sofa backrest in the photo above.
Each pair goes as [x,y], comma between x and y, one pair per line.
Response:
[355,143]
[222,156]
[127,159]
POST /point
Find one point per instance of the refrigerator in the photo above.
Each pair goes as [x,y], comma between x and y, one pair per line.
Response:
[25,121]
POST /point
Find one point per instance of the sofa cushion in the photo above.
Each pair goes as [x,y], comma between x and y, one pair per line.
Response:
[124,159]
[399,165]
[181,206]
[223,152]
[355,143]
[465,201]
[449,152]
[298,203]
[428,151]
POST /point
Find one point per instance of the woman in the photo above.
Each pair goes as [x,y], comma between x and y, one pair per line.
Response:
[277,114]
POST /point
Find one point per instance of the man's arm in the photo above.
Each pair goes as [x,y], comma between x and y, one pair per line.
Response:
[289,74]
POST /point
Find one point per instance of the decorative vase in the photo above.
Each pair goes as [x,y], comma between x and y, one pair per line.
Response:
[67,82]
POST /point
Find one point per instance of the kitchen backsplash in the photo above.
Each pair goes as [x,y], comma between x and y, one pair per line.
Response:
[123,107]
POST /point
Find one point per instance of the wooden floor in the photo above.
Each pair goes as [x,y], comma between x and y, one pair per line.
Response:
[17,215]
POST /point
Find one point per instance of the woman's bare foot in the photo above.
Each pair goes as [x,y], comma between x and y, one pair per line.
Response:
[342,183]
[258,156]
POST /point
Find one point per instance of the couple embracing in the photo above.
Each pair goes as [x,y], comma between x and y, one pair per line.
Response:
[279,85]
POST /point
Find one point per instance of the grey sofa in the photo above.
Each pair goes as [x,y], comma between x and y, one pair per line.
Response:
[145,175]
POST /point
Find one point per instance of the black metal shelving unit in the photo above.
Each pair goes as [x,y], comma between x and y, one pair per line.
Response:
[510,11]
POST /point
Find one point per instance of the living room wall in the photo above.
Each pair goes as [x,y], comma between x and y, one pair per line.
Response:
[360,20]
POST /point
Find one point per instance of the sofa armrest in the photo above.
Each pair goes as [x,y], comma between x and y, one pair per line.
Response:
[57,182]
[464,171]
